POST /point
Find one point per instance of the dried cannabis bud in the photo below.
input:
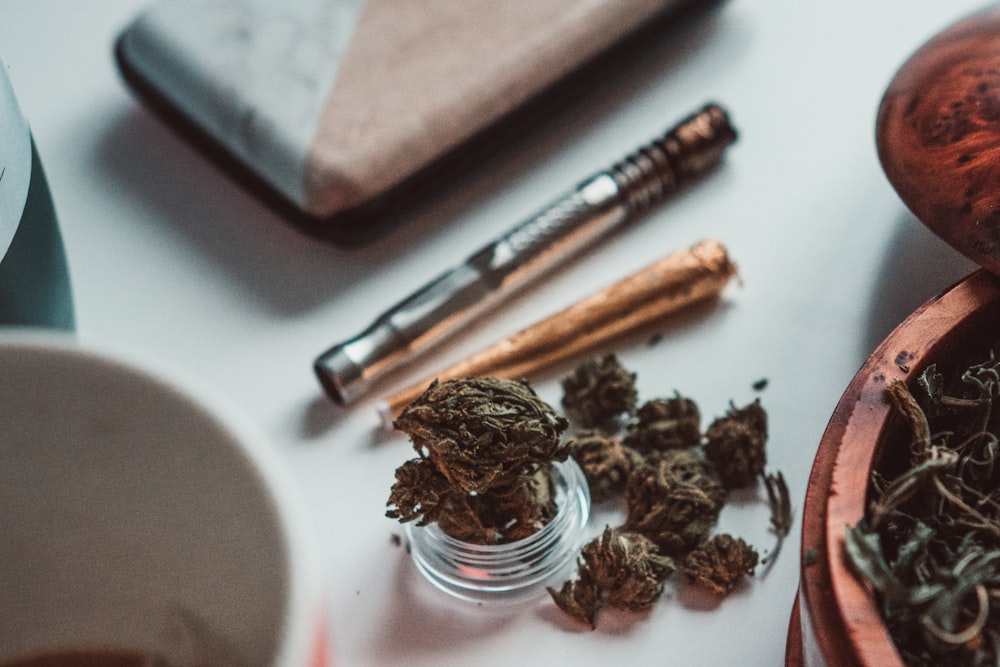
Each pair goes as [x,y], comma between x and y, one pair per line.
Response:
[418,493]
[605,461]
[665,423]
[503,514]
[486,447]
[673,487]
[674,499]
[735,444]
[720,563]
[599,392]
[580,598]
[628,567]
[483,432]
[619,569]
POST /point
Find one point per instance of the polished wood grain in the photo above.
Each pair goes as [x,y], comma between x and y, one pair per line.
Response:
[938,136]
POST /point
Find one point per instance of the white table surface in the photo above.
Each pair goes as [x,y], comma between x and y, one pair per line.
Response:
[170,259]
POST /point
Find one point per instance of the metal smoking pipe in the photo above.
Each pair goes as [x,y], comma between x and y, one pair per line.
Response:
[598,205]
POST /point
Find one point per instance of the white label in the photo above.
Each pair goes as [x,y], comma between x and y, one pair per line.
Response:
[15,162]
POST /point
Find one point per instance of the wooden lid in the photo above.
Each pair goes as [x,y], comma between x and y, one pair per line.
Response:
[938,136]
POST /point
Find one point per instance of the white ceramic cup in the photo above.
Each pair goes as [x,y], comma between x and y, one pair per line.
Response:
[138,511]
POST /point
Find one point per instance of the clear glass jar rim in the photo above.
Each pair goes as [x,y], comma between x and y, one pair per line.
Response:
[570,471]
[512,571]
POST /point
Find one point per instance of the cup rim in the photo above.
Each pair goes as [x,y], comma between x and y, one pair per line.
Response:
[299,634]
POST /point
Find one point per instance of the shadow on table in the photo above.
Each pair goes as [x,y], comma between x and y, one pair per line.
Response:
[289,271]
[917,266]
[423,621]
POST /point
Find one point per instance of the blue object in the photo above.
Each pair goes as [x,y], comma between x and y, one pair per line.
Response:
[34,276]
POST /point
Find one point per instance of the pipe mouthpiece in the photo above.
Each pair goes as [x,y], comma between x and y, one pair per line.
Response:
[686,151]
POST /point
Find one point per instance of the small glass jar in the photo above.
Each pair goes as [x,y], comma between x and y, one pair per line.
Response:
[516,571]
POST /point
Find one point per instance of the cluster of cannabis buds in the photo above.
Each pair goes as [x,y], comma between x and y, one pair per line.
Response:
[674,480]
[484,475]
[484,471]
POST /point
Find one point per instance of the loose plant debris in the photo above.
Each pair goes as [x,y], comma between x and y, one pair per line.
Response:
[484,474]
[674,480]
[929,543]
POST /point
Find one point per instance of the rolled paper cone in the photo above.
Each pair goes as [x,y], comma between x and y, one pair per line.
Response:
[678,280]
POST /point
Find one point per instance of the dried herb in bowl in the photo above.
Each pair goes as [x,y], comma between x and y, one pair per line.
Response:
[929,543]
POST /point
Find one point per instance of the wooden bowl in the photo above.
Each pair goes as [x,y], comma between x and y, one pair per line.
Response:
[938,139]
[838,619]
